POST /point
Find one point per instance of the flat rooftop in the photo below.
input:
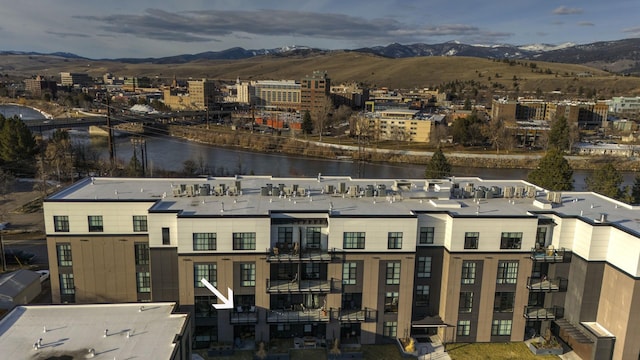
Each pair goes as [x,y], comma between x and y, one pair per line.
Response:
[344,196]
[134,331]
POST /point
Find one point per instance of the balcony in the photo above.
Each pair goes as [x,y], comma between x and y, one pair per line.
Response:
[244,315]
[546,285]
[298,316]
[548,255]
[362,315]
[281,253]
[538,313]
[298,286]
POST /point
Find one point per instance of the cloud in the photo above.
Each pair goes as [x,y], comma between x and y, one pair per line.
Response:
[563,10]
[635,31]
[67,34]
[211,25]
[586,23]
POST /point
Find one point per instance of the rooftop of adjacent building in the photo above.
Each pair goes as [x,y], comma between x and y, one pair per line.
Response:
[145,331]
[261,195]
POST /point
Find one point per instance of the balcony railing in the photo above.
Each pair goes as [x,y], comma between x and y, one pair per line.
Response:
[546,285]
[298,316]
[540,313]
[245,317]
[362,315]
[548,255]
[310,253]
[291,286]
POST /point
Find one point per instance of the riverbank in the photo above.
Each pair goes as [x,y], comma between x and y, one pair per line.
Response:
[271,143]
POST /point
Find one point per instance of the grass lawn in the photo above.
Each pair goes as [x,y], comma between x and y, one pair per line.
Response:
[381,352]
[493,351]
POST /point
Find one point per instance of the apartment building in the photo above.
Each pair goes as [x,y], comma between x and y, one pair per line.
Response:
[270,94]
[584,114]
[362,260]
[398,124]
[40,85]
[75,79]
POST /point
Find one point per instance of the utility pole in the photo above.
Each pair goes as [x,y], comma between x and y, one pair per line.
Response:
[112,152]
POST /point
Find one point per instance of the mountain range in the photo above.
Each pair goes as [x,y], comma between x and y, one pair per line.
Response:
[620,56]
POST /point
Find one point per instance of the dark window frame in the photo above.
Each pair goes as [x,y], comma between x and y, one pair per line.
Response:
[471,240]
[427,234]
[96,223]
[61,223]
[354,239]
[204,241]
[394,240]
[244,241]
[140,223]
[511,240]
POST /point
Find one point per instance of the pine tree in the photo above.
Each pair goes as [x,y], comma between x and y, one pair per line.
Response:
[559,134]
[605,181]
[307,123]
[438,167]
[17,145]
[553,172]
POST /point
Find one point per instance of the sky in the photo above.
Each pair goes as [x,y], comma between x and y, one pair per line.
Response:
[157,28]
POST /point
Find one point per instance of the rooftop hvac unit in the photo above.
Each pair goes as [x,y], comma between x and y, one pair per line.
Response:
[288,191]
[550,196]
[353,190]
[328,189]
[176,191]
[508,192]
[479,193]
[270,186]
[519,192]
[264,191]
[275,192]
[183,188]
[205,189]
[191,190]
[342,188]
[295,188]
[468,189]
[488,194]
[368,192]
[496,191]
[557,197]
[238,185]
[457,193]
[531,191]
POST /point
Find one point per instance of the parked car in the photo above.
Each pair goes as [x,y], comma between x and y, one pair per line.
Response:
[44,275]
[19,257]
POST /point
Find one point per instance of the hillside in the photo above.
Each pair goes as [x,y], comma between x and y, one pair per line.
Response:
[345,66]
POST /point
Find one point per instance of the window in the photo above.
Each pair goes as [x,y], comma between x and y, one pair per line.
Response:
[393,273]
[248,274]
[507,272]
[468,272]
[501,328]
[353,240]
[471,240]
[466,302]
[61,223]
[349,273]
[390,329]
[391,302]
[511,240]
[504,302]
[67,286]
[95,223]
[313,237]
[394,240]
[422,295]
[464,327]
[244,241]
[203,306]
[311,271]
[142,253]
[64,254]
[424,267]
[139,223]
[166,238]
[143,282]
[426,235]
[204,241]
[205,271]
[285,235]
[541,236]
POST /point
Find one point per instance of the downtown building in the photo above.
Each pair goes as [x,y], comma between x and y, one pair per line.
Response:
[362,260]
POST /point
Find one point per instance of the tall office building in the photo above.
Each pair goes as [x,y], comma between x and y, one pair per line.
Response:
[314,91]
[360,260]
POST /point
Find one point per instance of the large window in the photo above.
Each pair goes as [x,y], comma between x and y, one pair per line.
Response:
[394,240]
[143,282]
[507,272]
[391,302]
[285,235]
[501,328]
[61,223]
[422,295]
[142,253]
[203,306]
[424,267]
[349,273]
[393,273]
[248,274]
[426,235]
[95,223]
[244,241]
[64,254]
[139,223]
[468,272]
[471,240]
[205,271]
[504,301]
[511,240]
[313,237]
[464,327]
[166,236]
[390,329]
[204,241]
[353,240]
[67,286]
[466,302]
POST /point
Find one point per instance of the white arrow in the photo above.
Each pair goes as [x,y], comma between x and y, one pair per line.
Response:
[227,303]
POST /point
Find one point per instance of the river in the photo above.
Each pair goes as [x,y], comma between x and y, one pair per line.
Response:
[165,152]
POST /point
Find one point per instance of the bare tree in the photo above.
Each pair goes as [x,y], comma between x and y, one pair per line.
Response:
[497,133]
[322,114]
